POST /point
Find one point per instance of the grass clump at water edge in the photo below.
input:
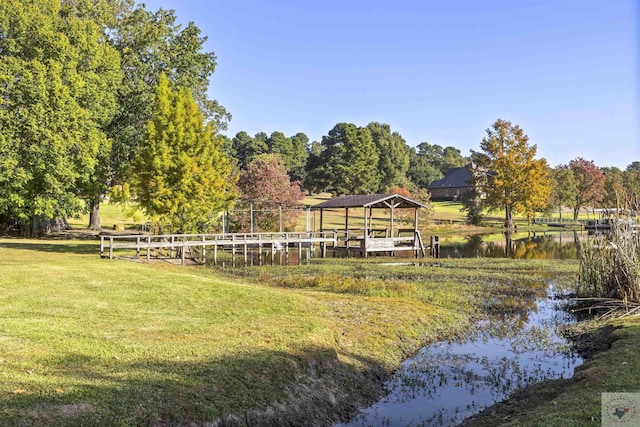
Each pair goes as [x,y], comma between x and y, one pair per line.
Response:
[610,270]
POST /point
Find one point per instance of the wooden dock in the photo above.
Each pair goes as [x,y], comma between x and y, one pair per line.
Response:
[178,245]
[200,246]
[355,241]
[558,222]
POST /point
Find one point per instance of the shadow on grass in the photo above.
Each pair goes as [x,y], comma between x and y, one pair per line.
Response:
[268,388]
[57,246]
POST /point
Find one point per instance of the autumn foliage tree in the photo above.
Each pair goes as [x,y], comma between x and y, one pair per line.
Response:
[508,174]
[590,182]
[268,196]
[181,177]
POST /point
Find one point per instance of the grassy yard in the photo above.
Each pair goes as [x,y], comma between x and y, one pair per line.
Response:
[111,215]
[86,341]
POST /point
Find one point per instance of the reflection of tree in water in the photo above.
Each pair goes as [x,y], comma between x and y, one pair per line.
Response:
[446,382]
[517,246]
[509,310]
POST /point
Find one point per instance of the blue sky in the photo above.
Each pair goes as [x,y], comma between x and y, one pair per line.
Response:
[566,71]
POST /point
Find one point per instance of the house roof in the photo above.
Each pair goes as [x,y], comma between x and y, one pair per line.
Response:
[455,177]
[369,201]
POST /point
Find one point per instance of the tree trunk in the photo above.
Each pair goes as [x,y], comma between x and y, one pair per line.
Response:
[508,217]
[94,215]
[575,213]
[40,226]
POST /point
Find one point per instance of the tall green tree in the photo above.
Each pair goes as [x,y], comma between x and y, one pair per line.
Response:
[590,182]
[300,156]
[614,191]
[316,177]
[350,160]
[181,176]
[280,145]
[56,78]
[150,43]
[508,174]
[441,158]
[631,179]
[247,148]
[564,188]
[429,162]
[393,161]
[421,172]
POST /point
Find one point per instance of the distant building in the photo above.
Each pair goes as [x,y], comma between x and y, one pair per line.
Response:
[456,182]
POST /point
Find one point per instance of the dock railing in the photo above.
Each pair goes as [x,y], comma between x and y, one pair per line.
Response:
[177,245]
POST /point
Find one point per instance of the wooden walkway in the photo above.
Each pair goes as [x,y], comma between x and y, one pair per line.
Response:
[178,245]
[199,246]
[558,222]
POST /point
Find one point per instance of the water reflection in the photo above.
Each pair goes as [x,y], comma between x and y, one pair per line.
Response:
[524,245]
[447,382]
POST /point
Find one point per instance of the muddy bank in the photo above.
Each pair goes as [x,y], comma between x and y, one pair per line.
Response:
[331,392]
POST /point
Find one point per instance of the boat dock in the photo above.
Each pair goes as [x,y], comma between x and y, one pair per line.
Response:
[199,247]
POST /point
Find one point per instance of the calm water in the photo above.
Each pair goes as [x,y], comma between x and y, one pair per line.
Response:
[449,381]
[524,245]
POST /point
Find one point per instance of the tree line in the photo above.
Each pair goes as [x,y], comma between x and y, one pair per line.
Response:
[106,97]
[350,159]
[507,176]
[95,97]
[78,83]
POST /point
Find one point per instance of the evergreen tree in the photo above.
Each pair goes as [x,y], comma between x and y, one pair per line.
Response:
[300,156]
[631,179]
[393,162]
[282,146]
[316,178]
[247,148]
[181,176]
[149,43]
[421,172]
[350,159]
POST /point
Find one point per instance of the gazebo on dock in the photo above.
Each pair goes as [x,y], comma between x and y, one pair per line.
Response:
[370,238]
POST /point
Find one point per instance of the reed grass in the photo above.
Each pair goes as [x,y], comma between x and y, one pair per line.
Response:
[610,269]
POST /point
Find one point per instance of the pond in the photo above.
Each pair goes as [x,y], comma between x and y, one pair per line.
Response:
[522,245]
[449,381]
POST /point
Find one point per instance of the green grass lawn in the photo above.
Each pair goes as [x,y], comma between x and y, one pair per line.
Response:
[110,215]
[87,341]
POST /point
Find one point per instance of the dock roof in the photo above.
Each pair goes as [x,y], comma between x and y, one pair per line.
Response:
[369,201]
